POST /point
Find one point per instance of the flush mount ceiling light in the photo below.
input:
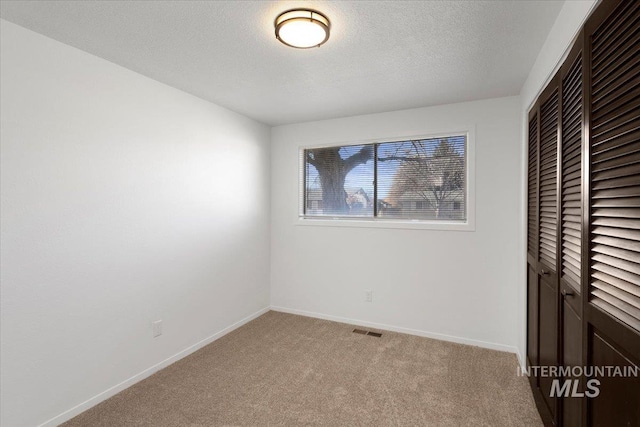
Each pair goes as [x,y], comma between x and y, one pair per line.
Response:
[302,28]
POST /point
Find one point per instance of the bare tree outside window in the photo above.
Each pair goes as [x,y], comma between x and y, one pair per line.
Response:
[417,179]
[424,179]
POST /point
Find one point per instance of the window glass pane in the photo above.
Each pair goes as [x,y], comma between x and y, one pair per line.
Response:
[423,179]
[339,181]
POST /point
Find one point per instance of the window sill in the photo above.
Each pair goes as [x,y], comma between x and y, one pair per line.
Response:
[381,223]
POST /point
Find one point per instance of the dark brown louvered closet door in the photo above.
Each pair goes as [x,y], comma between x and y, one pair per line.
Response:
[612,312]
[571,196]
[615,159]
[533,282]
[571,230]
[583,248]
[548,181]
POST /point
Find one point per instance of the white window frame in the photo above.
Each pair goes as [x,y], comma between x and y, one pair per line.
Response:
[413,224]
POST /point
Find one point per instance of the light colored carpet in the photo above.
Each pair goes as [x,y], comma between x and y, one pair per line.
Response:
[282,369]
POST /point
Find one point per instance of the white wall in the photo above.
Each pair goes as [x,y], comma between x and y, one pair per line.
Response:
[457,285]
[123,201]
[570,20]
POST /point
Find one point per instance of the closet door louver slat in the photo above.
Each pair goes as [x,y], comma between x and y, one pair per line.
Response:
[615,176]
[548,178]
[572,119]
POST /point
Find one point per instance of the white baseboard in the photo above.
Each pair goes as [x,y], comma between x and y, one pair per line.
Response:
[417,332]
[67,415]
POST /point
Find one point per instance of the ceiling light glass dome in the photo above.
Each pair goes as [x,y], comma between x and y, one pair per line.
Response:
[302,28]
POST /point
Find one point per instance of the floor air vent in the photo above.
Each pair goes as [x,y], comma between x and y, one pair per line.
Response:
[363,332]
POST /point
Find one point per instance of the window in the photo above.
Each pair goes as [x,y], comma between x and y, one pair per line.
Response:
[421,179]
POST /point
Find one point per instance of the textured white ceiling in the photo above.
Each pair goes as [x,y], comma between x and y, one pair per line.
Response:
[382,55]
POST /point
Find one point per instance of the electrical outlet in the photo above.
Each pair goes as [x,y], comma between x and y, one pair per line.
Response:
[157,328]
[368,295]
